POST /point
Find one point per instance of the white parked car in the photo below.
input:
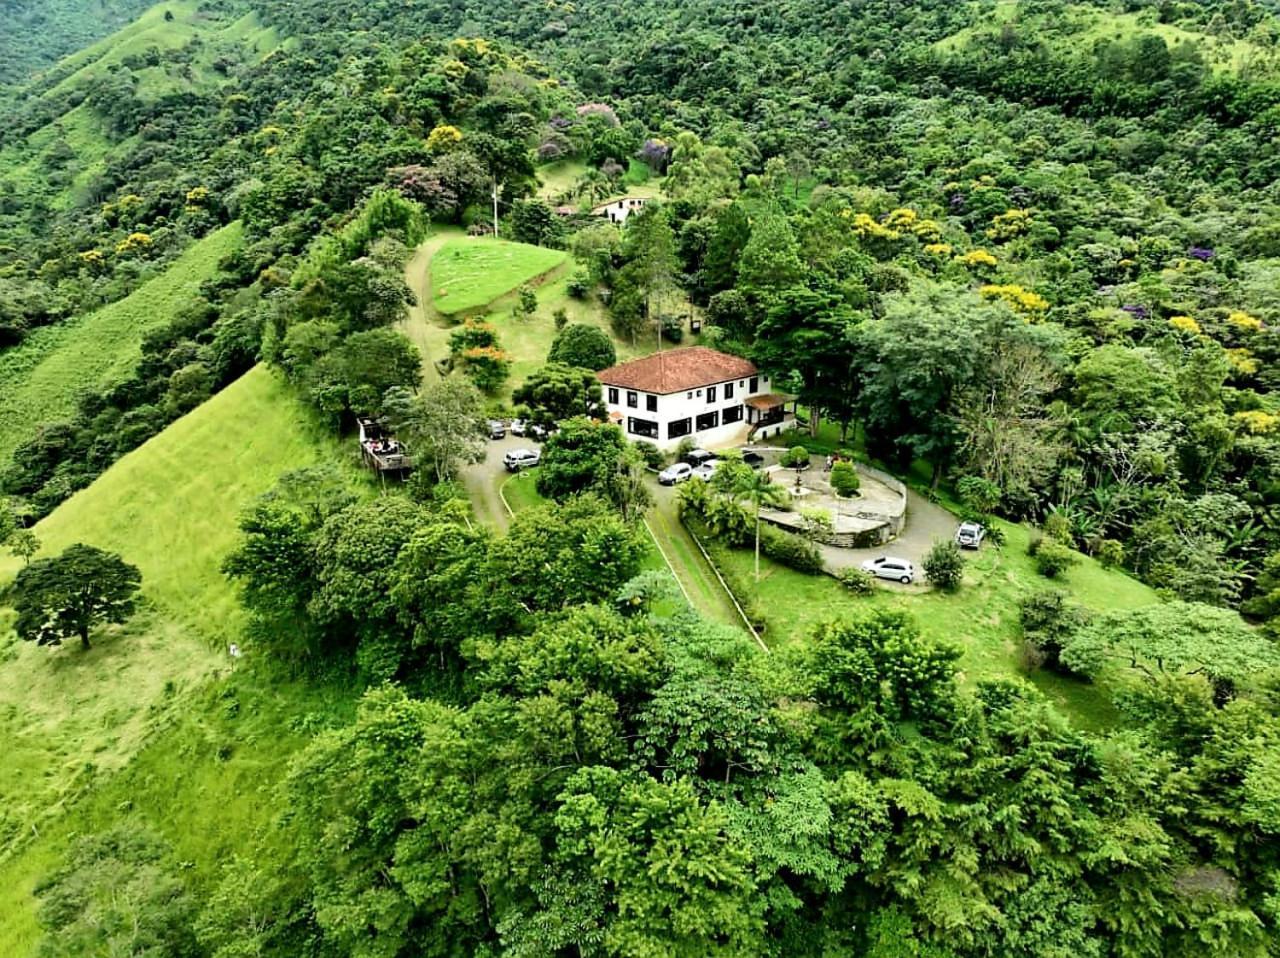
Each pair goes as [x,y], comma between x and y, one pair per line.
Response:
[889,567]
[707,470]
[517,459]
[970,535]
[517,427]
[679,472]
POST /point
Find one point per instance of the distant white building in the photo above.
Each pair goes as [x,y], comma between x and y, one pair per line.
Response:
[617,211]
[711,396]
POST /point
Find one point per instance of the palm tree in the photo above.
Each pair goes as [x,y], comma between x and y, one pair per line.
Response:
[748,485]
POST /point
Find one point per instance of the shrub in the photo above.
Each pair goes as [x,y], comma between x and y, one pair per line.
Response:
[1058,528]
[579,284]
[1053,558]
[653,456]
[844,479]
[583,345]
[1110,552]
[797,457]
[857,581]
[1048,621]
[944,566]
[792,551]
[672,329]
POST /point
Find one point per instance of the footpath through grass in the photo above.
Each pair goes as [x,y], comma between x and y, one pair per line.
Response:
[470,273]
[42,377]
[68,719]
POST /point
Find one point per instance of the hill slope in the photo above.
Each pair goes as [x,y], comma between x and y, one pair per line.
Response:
[44,374]
[171,508]
[35,33]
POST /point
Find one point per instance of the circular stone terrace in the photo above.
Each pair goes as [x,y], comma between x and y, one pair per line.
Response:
[871,518]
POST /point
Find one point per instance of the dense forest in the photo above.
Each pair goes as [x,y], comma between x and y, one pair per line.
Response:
[1025,254]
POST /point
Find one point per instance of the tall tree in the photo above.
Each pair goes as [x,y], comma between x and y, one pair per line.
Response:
[444,424]
[69,595]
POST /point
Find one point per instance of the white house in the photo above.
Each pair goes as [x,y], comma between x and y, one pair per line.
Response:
[617,211]
[715,398]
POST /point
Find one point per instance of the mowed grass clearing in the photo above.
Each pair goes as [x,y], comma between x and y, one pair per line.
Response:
[42,376]
[470,273]
[981,616]
[170,507]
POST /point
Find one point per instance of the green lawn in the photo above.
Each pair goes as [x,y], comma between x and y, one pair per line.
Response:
[470,273]
[558,177]
[42,376]
[69,718]
[982,616]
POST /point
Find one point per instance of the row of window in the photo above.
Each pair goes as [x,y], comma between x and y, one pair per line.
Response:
[651,401]
[682,427]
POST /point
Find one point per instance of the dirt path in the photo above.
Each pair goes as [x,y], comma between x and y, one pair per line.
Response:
[423,323]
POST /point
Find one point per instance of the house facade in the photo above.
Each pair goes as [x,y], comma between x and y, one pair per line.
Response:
[617,211]
[712,397]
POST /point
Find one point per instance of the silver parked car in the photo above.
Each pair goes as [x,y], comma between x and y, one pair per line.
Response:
[707,470]
[517,459]
[970,535]
[889,567]
[675,474]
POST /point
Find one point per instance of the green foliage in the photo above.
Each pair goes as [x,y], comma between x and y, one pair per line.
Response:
[444,424]
[117,893]
[792,551]
[557,392]
[1052,558]
[797,457]
[844,478]
[582,456]
[944,566]
[856,581]
[69,595]
[584,346]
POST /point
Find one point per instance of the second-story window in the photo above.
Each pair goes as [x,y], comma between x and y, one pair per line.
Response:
[632,400]
[651,403]
[755,384]
[728,390]
[711,394]
[613,395]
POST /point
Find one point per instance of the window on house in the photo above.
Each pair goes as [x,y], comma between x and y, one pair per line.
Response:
[755,384]
[688,395]
[642,427]
[632,400]
[732,414]
[680,427]
[651,403]
[708,420]
[711,394]
[699,392]
[613,395]
[728,390]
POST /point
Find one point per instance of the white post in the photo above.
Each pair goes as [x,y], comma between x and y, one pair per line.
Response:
[495,207]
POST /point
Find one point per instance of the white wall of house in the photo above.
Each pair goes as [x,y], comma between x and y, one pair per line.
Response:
[708,403]
[617,211]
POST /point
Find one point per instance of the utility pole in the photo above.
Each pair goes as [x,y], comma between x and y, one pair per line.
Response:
[495,207]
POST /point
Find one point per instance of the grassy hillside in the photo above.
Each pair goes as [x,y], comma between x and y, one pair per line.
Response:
[43,375]
[36,33]
[470,273]
[170,507]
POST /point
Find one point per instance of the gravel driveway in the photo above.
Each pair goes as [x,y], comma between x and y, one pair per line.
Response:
[483,479]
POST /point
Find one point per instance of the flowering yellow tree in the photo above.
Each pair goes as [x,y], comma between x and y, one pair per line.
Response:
[1007,225]
[1243,321]
[1258,422]
[443,138]
[1185,324]
[978,259]
[1030,306]
[133,244]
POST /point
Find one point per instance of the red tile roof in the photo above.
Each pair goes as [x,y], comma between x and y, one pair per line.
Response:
[677,370]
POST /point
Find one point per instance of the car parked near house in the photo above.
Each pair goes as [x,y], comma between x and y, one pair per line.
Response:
[707,470]
[517,459]
[891,567]
[677,473]
[697,457]
[970,535]
[497,429]
[539,433]
[518,427]
[753,459]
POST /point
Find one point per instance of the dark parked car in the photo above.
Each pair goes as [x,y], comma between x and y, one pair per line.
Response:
[753,459]
[696,457]
[497,429]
